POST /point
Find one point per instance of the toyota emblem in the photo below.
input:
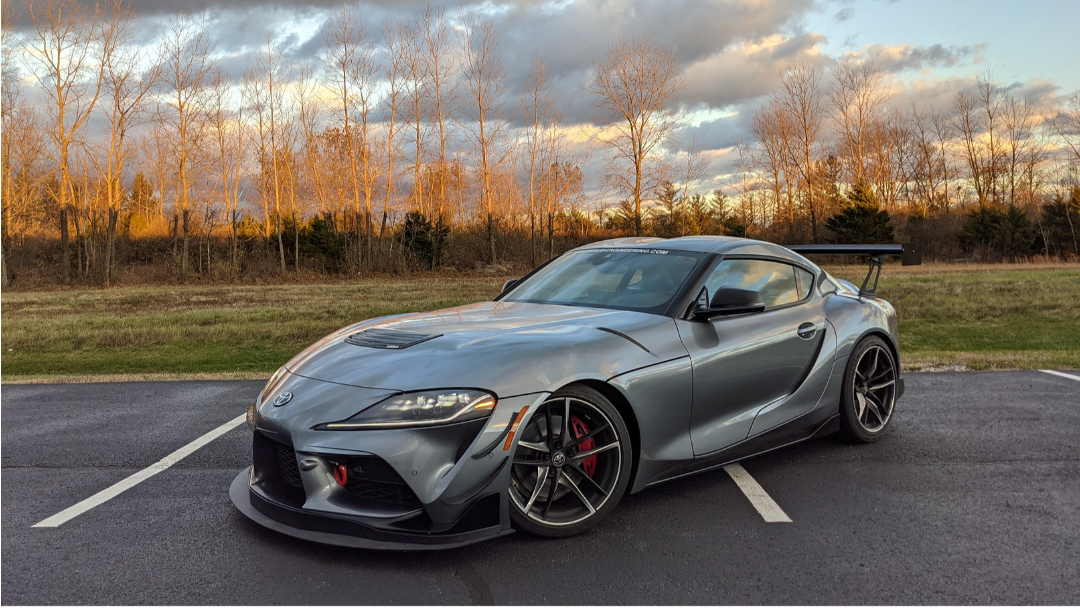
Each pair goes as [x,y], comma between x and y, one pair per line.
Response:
[283,398]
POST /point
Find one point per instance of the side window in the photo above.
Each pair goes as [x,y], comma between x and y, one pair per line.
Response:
[775,281]
[805,281]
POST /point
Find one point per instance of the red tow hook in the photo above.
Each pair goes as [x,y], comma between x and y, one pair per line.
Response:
[341,475]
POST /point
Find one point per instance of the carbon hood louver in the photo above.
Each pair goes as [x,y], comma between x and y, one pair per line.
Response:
[388,338]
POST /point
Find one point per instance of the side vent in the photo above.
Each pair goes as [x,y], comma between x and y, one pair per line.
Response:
[392,339]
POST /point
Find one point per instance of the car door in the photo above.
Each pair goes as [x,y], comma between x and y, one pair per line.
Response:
[743,363]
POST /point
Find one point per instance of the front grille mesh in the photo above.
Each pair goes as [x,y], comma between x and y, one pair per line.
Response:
[372,478]
[290,471]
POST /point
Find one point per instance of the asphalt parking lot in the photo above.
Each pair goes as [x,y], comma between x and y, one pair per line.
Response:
[972,498]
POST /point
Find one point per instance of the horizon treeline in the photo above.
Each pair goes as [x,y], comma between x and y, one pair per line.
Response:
[402,148]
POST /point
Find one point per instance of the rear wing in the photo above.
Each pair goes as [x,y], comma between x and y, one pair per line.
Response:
[909,256]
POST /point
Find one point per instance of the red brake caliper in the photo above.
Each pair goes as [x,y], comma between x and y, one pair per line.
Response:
[580,430]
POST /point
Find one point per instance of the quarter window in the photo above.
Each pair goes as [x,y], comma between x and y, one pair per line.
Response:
[775,281]
[805,281]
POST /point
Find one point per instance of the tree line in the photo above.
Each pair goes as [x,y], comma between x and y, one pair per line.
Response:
[991,175]
[402,148]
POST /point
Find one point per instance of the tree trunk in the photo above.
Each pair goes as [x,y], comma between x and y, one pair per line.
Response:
[184,250]
[65,247]
[110,246]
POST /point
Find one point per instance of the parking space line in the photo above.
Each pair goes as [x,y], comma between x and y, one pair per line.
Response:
[760,499]
[1062,374]
[126,484]
[765,505]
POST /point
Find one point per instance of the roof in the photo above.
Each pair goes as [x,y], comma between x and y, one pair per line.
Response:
[704,244]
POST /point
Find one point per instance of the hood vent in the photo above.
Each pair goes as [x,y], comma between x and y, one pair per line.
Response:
[377,337]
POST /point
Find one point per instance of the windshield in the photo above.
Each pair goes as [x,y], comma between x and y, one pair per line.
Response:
[644,280]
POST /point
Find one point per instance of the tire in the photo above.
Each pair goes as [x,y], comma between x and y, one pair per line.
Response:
[868,397]
[558,500]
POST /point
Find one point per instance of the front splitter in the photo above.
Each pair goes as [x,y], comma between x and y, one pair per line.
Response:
[240,494]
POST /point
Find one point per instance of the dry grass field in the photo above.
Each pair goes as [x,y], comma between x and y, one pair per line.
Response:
[979,317]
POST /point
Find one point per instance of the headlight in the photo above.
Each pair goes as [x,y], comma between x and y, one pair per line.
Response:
[420,409]
[251,418]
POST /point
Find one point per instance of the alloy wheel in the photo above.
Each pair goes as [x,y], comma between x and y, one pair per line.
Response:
[874,388]
[567,463]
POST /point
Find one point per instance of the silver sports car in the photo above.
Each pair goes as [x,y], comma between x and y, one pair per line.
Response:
[613,367]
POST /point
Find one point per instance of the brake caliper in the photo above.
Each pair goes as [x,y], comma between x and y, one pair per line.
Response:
[580,429]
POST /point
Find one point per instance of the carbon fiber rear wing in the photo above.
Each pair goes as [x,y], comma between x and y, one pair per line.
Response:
[909,256]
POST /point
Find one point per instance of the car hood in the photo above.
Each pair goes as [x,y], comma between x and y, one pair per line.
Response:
[505,347]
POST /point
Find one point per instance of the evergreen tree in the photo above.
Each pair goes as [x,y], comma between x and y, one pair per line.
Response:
[1061,223]
[1006,233]
[861,219]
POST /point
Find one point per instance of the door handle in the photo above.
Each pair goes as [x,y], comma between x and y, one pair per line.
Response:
[807,331]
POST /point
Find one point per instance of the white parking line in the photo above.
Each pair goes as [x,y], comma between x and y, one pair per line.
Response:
[765,505]
[1062,374]
[126,484]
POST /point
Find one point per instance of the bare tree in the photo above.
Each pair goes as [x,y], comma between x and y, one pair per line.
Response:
[990,97]
[968,124]
[485,77]
[1067,125]
[856,98]
[65,53]
[801,98]
[126,85]
[9,114]
[635,83]
[350,66]
[417,90]
[441,70]
[395,35]
[227,121]
[536,105]
[187,68]
[268,65]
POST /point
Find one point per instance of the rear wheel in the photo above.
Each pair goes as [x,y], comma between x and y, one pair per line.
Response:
[571,466]
[869,393]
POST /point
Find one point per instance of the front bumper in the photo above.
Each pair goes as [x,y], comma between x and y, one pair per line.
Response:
[414,488]
[333,529]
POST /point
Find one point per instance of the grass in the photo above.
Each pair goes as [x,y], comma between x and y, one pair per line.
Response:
[992,317]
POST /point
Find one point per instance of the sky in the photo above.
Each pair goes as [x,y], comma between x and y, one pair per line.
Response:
[732,51]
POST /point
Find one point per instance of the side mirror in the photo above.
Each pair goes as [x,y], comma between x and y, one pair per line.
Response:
[731,301]
[508,285]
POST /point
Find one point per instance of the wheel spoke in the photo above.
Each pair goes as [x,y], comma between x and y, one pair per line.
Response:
[551,494]
[541,476]
[528,462]
[577,492]
[873,407]
[536,447]
[873,367]
[586,437]
[583,455]
[860,403]
[874,389]
[550,435]
[585,476]
[564,435]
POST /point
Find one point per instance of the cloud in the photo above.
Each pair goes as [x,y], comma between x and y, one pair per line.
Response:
[749,71]
[893,58]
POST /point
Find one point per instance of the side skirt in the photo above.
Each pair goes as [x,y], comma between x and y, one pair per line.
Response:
[816,423]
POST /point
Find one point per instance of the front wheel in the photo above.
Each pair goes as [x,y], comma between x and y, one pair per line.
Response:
[869,392]
[572,464]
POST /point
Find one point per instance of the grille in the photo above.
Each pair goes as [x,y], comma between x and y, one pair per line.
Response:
[371,478]
[387,338]
[290,472]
